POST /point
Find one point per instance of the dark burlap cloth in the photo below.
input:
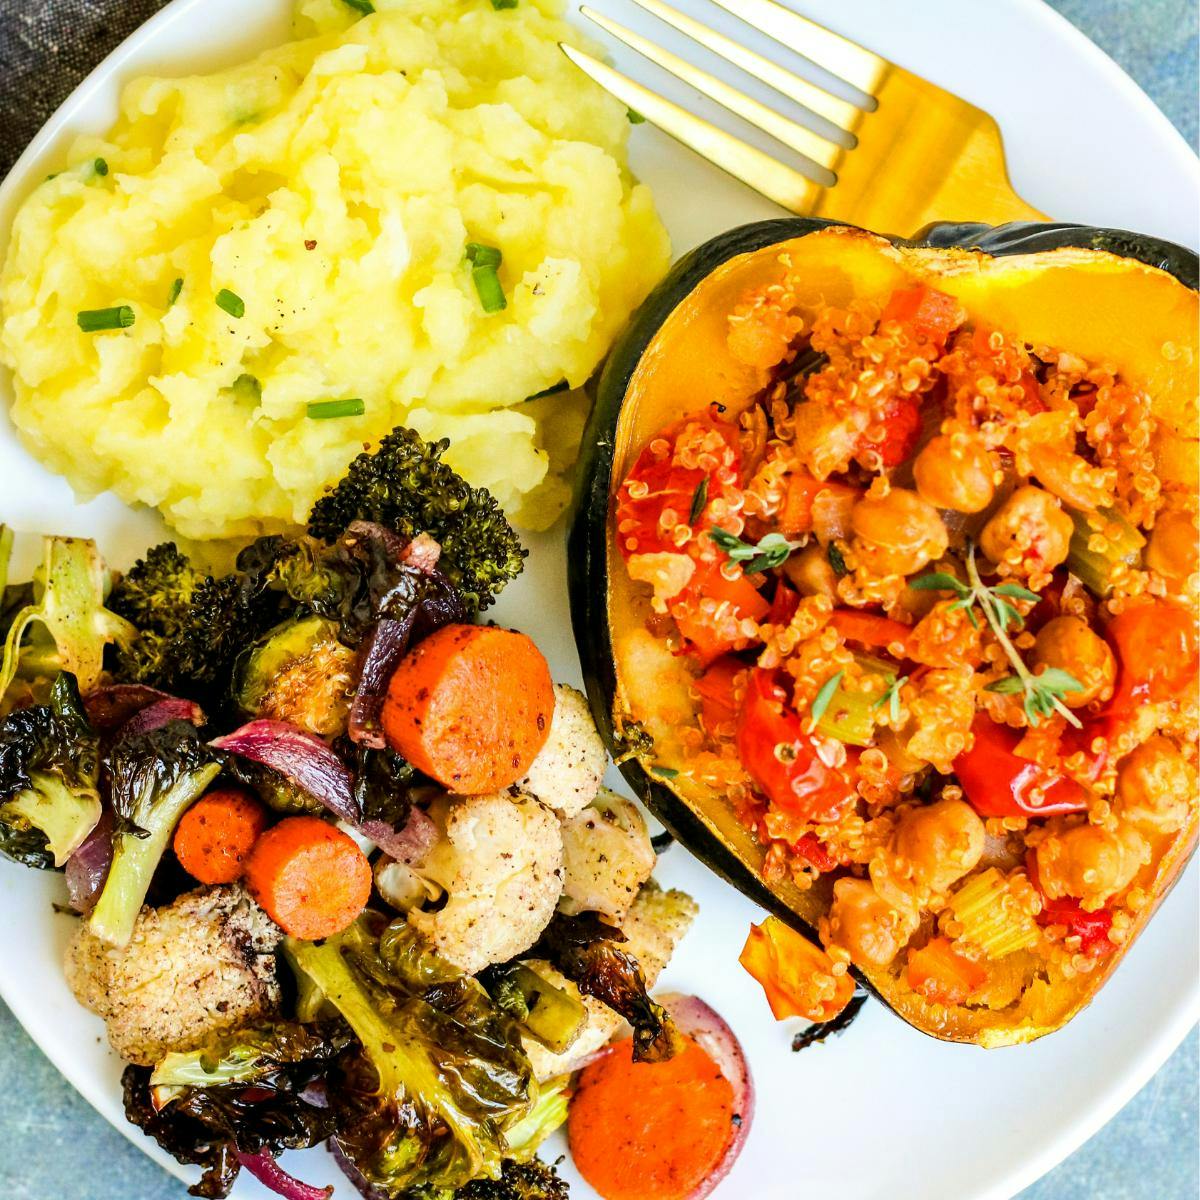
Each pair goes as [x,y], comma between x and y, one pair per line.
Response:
[46,48]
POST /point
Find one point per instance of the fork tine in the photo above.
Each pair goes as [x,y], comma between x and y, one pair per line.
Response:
[840,112]
[773,179]
[857,65]
[818,149]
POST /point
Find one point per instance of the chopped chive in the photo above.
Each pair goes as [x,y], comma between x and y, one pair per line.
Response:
[53,175]
[490,290]
[635,117]
[699,501]
[101,167]
[664,772]
[173,294]
[97,320]
[500,5]
[479,255]
[323,410]
[361,6]
[823,698]
[231,302]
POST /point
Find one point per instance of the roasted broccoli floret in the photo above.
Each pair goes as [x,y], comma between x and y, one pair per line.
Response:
[191,628]
[153,778]
[533,1180]
[440,1076]
[64,624]
[49,765]
[404,486]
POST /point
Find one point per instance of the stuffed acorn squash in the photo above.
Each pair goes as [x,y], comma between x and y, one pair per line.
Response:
[884,576]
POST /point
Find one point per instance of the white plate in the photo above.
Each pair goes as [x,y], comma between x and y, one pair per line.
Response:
[884,1110]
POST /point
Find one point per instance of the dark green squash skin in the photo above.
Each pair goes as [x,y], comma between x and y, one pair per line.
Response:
[587,559]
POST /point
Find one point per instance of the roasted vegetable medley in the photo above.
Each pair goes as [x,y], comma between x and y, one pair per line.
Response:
[938,590]
[343,861]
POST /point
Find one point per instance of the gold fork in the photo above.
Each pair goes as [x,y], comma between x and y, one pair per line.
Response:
[914,153]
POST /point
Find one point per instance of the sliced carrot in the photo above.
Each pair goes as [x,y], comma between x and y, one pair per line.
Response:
[215,836]
[718,703]
[941,973]
[470,707]
[311,878]
[650,1131]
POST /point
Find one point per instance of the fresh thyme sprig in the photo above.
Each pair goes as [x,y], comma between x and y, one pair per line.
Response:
[891,697]
[1042,692]
[773,550]
[823,698]
[699,501]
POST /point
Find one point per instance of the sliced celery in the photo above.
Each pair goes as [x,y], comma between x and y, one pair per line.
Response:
[850,716]
[991,916]
[1095,567]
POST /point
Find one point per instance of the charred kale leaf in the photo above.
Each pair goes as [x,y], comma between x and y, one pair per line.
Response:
[587,950]
[49,768]
[404,486]
[249,1091]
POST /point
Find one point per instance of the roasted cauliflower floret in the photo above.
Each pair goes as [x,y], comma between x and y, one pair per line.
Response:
[655,926]
[200,966]
[499,861]
[567,772]
[607,856]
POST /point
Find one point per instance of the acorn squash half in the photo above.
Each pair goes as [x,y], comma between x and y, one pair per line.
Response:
[1107,295]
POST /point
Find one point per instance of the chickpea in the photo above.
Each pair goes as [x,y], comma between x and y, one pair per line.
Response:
[810,571]
[1173,550]
[897,534]
[941,842]
[1090,863]
[870,929]
[955,471]
[1070,644]
[1029,526]
[1156,786]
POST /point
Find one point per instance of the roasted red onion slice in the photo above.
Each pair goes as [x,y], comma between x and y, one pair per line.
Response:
[272,1176]
[160,713]
[108,708]
[87,868]
[302,759]
[381,652]
[710,1032]
[362,1185]
[410,844]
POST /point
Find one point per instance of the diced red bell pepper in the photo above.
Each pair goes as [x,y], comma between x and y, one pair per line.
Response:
[932,315]
[902,432]
[868,629]
[1091,928]
[716,688]
[813,851]
[704,639]
[784,605]
[999,783]
[782,759]
[796,975]
[669,485]
[1157,653]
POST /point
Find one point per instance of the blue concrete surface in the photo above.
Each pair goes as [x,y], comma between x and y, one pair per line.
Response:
[55,1147]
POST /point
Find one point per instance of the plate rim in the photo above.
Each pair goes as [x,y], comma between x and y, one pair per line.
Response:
[1075,1131]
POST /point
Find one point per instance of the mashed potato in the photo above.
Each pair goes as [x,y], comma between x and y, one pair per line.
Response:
[332,185]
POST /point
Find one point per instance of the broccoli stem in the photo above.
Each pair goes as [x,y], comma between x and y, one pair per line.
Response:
[135,859]
[547,1115]
[64,816]
[555,1017]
